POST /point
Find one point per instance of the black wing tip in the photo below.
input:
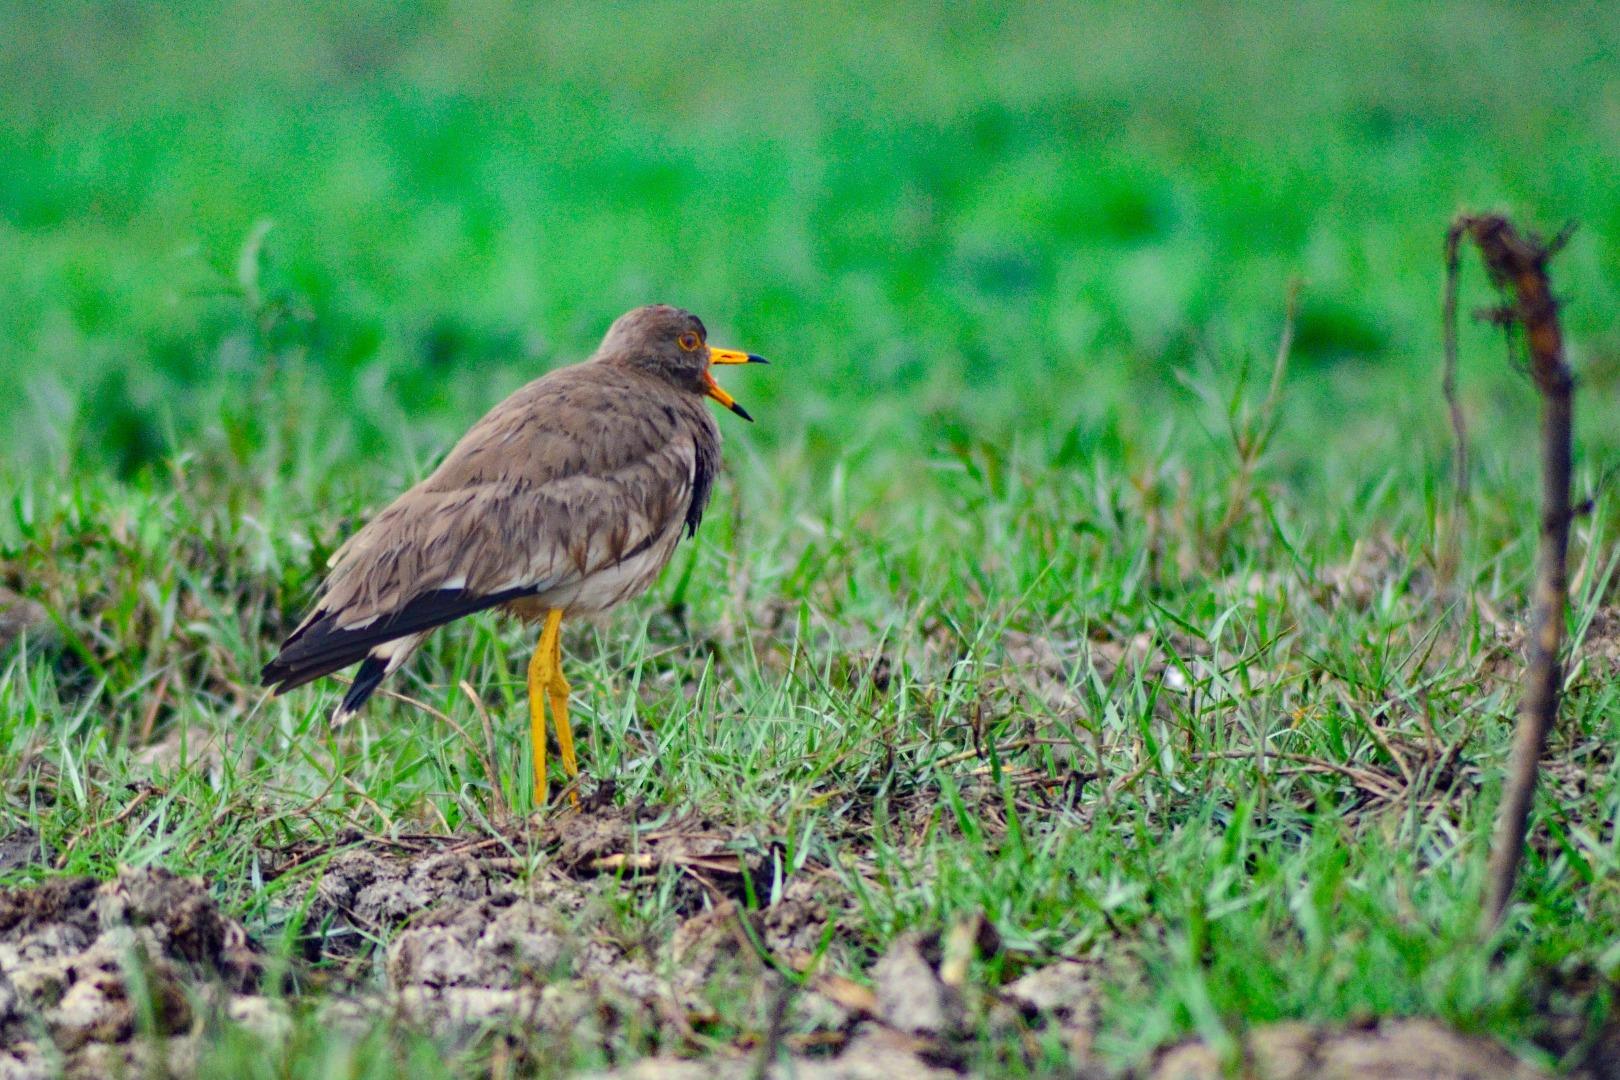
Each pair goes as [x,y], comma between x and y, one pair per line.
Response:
[290,679]
[304,658]
[320,646]
[277,673]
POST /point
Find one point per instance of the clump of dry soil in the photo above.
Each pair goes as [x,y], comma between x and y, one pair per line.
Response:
[73,953]
[1391,1050]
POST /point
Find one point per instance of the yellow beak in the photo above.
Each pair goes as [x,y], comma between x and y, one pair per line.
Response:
[734,356]
[729,356]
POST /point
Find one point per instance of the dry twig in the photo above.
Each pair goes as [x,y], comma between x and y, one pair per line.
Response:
[1517,265]
[487,755]
[149,717]
[145,792]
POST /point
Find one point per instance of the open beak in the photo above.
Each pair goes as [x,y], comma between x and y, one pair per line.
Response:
[729,356]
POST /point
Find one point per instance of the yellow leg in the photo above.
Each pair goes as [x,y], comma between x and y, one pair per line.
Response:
[557,690]
[538,681]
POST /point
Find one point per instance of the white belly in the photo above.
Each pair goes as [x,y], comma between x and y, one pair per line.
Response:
[613,584]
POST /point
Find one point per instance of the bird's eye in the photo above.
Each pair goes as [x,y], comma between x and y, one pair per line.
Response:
[688,341]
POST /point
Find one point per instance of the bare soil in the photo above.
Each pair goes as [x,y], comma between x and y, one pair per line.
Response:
[472,938]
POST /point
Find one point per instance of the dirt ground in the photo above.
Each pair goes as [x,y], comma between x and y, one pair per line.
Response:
[474,948]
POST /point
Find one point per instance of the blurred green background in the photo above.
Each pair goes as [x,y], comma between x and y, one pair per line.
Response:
[945,224]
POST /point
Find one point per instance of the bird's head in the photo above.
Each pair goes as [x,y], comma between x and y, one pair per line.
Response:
[673,344]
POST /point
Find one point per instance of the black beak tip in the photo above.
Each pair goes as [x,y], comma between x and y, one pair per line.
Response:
[752,359]
[742,412]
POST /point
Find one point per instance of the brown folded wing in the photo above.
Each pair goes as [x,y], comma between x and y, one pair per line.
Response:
[571,476]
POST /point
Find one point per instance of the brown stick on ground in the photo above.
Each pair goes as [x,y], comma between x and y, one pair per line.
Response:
[1518,266]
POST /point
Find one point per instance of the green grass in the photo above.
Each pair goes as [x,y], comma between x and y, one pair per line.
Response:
[1020,276]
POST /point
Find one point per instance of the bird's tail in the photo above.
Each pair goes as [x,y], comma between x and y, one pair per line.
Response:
[379,663]
[370,675]
[321,645]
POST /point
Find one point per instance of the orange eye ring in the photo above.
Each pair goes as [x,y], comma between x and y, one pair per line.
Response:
[689,341]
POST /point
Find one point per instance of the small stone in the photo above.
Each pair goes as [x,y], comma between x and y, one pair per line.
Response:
[21,616]
[911,997]
[1397,1049]
[264,1017]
